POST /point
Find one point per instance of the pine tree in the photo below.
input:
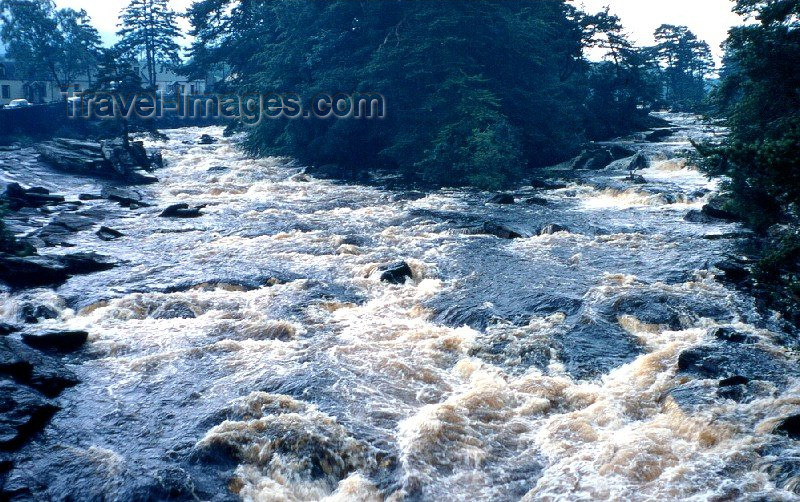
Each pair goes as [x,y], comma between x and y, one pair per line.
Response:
[148,31]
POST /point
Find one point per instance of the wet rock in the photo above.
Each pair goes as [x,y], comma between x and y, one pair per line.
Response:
[729,360]
[7,329]
[18,197]
[218,169]
[638,162]
[59,341]
[73,222]
[695,216]
[660,134]
[596,157]
[125,198]
[326,171]
[732,271]
[734,380]
[789,426]
[32,314]
[301,178]
[23,413]
[638,179]
[89,196]
[109,234]
[537,201]
[31,271]
[33,368]
[552,229]
[502,199]
[714,210]
[113,158]
[595,346]
[174,311]
[396,273]
[206,139]
[732,336]
[546,184]
[500,231]
[86,263]
[181,210]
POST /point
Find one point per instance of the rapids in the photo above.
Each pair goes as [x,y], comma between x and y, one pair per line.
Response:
[254,353]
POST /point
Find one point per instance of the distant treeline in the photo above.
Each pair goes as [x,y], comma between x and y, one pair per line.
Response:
[476,93]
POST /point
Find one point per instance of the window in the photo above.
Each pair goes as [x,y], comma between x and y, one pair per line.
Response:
[6,92]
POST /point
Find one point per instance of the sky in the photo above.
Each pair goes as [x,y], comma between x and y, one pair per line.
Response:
[709,19]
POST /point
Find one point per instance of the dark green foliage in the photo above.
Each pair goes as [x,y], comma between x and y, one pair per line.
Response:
[686,63]
[149,30]
[760,97]
[48,43]
[476,92]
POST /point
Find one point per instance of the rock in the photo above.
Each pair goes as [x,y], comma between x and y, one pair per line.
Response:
[789,426]
[174,311]
[596,157]
[396,273]
[552,229]
[734,380]
[31,271]
[500,231]
[32,314]
[732,336]
[537,201]
[301,178]
[19,197]
[60,341]
[86,263]
[206,139]
[112,158]
[326,171]
[695,216]
[73,222]
[720,214]
[31,367]
[6,329]
[108,234]
[125,198]
[546,184]
[157,160]
[729,360]
[502,198]
[218,169]
[181,210]
[732,271]
[638,179]
[660,134]
[88,196]
[23,413]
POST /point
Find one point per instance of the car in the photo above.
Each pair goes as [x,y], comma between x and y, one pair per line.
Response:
[18,103]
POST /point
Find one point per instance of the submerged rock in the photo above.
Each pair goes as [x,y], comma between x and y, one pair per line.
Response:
[500,231]
[174,311]
[125,198]
[60,341]
[502,199]
[206,139]
[396,273]
[552,229]
[537,201]
[181,210]
[86,263]
[108,234]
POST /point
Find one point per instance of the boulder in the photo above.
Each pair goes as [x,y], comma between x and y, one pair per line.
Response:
[732,271]
[31,271]
[713,211]
[536,201]
[23,413]
[595,157]
[732,336]
[639,161]
[638,179]
[88,196]
[125,198]
[18,197]
[789,426]
[502,198]
[6,329]
[552,229]
[500,231]
[86,263]
[59,341]
[181,210]
[396,273]
[33,368]
[206,139]
[660,134]
[113,158]
[546,184]
[32,314]
[108,234]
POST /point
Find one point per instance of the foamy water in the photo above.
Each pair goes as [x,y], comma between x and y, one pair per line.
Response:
[543,368]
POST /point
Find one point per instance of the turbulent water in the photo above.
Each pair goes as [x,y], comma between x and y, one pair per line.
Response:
[254,353]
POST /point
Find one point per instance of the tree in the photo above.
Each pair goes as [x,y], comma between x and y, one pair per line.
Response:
[760,98]
[44,42]
[148,31]
[686,62]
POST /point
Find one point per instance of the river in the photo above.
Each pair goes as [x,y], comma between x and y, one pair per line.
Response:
[254,353]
